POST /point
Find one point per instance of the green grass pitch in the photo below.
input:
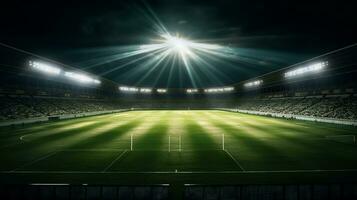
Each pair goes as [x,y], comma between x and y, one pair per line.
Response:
[167,143]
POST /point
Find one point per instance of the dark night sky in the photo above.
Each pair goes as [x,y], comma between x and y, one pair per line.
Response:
[278,33]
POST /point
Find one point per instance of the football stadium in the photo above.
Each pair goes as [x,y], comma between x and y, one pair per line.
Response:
[185,100]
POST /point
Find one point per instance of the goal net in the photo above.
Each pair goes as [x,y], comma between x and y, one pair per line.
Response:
[349,139]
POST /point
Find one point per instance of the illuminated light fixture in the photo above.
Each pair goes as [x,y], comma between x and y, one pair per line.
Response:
[176,43]
[185,48]
[145,90]
[189,53]
[219,90]
[48,69]
[135,89]
[97,81]
[253,83]
[128,89]
[314,68]
[190,91]
[160,90]
[181,44]
[82,78]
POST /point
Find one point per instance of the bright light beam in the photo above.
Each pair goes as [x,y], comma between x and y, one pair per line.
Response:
[172,52]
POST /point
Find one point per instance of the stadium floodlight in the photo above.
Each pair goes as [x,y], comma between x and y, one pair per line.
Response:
[228,89]
[219,90]
[128,89]
[191,90]
[185,48]
[167,47]
[176,43]
[97,81]
[82,78]
[46,68]
[145,90]
[253,83]
[160,90]
[314,68]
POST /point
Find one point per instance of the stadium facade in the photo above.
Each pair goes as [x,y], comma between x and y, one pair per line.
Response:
[322,87]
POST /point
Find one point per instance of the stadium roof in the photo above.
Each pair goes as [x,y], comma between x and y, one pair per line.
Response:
[220,42]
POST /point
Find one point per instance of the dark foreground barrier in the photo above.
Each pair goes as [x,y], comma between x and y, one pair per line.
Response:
[85,192]
[272,192]
[189,192]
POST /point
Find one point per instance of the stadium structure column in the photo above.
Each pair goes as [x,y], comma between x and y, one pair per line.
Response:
[169,143]
[179,142]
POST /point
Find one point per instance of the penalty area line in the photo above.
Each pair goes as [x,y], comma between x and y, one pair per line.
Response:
[235,160]
[116,159]
[35,161]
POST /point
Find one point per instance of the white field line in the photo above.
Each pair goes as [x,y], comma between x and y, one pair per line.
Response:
[340,135]
[176,125]
[179,172]
[177,150]
[103,149]
[34,161]
[116,159]
[49,184]
[21,138]
[235,160]
[83,124]
[140,150]
[175,131]
[216,130]
[93,132]
[10,144]
[59,130]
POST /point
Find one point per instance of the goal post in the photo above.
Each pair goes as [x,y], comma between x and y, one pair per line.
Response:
[131,142]
[169,143]
[174,143]
[223,147]
[179,142]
